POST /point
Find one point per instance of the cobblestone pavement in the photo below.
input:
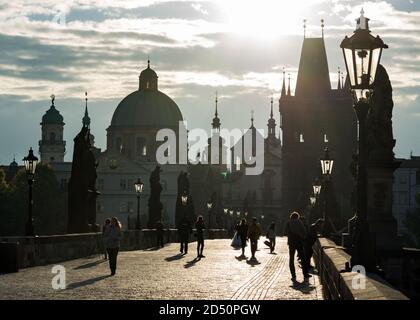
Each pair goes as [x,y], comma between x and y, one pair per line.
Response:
[164,274]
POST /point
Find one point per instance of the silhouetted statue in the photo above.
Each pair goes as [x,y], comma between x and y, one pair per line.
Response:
[155,206]
[380,139]
[184,210]
[82,192]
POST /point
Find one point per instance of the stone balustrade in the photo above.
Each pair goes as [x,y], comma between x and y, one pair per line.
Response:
[338,284]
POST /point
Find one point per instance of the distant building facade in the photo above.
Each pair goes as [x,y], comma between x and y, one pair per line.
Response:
[405,188]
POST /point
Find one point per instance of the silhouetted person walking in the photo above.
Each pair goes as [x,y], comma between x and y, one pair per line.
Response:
[113,235]
[296,234]
[104,238]
[242,233]
[199,226]
[159,234]
[184,230]
[310,241]
[254,233]
[271,236]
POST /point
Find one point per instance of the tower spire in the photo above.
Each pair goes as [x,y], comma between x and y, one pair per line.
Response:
[216,121]
[271,112]
[304,28]
[86,118]
[148,62]
[342,80]
[252,118]
[339,79]
[322,28]
[283,88]
[52,99]
[288,87]
[271,122]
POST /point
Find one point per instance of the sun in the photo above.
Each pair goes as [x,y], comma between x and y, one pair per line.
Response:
[265,18]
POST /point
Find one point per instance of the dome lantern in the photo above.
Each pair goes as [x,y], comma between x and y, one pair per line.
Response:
[148,79]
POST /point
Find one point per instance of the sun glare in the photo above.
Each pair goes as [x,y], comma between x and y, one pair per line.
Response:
[265,18]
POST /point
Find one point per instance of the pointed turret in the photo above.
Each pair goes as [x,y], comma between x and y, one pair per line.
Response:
[271,123]
[216,121]
[288,87]
[283,87]
[339,79]
[86,118]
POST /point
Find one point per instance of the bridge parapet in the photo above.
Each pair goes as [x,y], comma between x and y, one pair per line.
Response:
[330,260]
[42,250]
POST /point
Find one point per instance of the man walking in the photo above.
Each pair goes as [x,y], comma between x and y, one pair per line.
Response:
[254,233]
[296,234]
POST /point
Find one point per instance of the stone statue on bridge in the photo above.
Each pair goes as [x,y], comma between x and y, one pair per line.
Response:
[155,206]
[380,139]
[82,192]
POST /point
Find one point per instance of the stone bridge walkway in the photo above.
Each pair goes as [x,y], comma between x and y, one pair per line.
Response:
[164,274]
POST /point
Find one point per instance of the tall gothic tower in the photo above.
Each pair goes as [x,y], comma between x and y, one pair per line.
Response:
[315,117]
[52,147]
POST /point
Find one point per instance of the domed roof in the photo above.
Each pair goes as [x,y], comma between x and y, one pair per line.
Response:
[147,109]
[52,116]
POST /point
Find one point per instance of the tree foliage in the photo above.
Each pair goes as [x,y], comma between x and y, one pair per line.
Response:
[49,208]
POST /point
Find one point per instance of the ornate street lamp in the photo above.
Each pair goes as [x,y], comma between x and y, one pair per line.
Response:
[138,186]
[312,200]
[362,53]
[184,199]
[209,207]
[327,167]
[317,188]
[30,162]
[327,163]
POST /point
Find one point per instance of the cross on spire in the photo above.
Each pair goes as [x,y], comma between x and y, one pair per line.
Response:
[322,27]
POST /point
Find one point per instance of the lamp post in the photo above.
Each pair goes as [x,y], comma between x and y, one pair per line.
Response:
[226,217]
[362,53]
[209,207]
[30,162]
[312,201]
[327,167]
[138,186]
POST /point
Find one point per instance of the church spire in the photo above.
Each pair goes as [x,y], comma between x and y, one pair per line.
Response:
[86,118]
[283,87]
[322,28]
[271,123]
[252,118]
[304,28]
[288,86]
[216,121]
[339,79]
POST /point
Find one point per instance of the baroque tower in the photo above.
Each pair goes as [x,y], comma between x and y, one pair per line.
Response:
[52,147]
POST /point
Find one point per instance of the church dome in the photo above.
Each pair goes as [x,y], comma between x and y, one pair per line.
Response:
[52,116]
[147,107]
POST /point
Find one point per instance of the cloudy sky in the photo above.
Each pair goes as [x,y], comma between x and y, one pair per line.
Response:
[235,47]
